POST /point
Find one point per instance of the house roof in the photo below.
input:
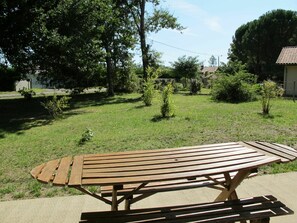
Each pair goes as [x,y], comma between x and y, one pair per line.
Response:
[288,55]
[209,69]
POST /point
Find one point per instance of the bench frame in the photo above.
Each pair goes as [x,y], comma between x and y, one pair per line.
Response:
[256,209]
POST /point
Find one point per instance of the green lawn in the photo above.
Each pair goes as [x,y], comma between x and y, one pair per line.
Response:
[29,138]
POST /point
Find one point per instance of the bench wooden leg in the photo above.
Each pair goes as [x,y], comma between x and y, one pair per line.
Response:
[128,203]
[264,220]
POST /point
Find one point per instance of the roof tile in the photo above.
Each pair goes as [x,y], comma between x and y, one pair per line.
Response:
[288,55]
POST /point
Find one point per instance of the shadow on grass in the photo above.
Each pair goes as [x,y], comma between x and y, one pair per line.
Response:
[159,118]
[269,116]
[19,114]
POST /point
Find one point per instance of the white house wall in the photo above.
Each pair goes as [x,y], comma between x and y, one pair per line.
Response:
[22,84]
[290,79]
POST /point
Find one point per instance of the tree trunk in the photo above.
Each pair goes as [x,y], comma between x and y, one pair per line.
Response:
[110,72]
[144,48]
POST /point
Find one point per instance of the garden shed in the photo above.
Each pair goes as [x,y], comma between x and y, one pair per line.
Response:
[288,58]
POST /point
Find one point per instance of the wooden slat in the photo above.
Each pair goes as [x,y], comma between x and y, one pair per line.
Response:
[160,155]
[143,152]
[167,185]
[61,177]
[76,171]
[280,148]
[97,180]
[173,167]
[48,171]
[195,166]
[37,170]
[270,150]
[166,160]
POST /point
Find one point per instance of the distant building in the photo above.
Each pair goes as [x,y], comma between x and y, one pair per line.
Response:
[288,57]
[208,75]
[209,70]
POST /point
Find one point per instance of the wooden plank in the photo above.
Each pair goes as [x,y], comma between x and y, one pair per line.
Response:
[48,171]
[270,150]
[174,167]
[61,177]
[37,170]
[289,151]
[167,185]
[182,175]
[157,153]
[76,171]
[166,161]
[194,166]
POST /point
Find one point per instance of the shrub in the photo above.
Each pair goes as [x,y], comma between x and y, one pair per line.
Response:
[86,136]
[195,86]
[55,107]
[27,93]
[177,87]
[269,90]
[149,86]
[234,88]
[167,108]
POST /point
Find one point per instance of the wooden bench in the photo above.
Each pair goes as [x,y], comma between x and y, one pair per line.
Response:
[256,209]
[217,181]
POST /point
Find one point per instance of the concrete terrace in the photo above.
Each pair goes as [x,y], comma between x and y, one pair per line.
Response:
[68,209]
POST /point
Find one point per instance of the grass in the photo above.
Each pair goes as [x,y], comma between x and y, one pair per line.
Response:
[28,137]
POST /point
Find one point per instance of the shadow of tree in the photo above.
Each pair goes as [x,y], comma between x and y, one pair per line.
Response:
[18,115]
[159,118]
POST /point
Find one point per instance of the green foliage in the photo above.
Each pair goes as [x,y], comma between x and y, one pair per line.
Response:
[149,86]
[145,23]
[167,108]
[269,91]
[186,67]
[27,93]
[86,136]
[259,42]
[195,86]
[177,87]
[56,106]
[8,77]
[234,88]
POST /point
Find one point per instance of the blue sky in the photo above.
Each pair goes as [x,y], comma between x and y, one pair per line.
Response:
[210,26]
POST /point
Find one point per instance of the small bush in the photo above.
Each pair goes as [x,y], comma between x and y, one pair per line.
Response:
[167,108]
[269,90]
[195,86]
[56,107]
[86,136]
[149,86]
[234,88]
[27,93]
[177,87]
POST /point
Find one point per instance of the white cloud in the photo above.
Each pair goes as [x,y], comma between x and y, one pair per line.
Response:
[213,23]
[193,10]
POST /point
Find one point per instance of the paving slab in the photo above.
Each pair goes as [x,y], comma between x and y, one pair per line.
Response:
[68,209]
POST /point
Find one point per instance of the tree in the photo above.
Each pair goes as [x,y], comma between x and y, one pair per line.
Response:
[67,48]
[59,39]
[16,19]
[145,23]
[117,39]
[212,61]
[186,67]
[259,42]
